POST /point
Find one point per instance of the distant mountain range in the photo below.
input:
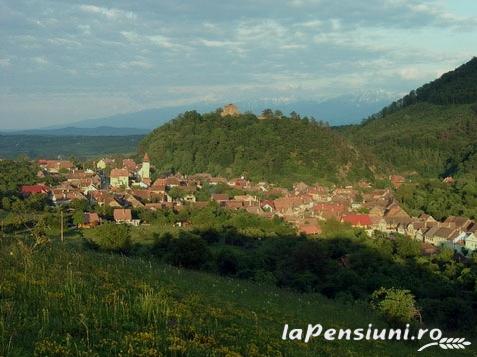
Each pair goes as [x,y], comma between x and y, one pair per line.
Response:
[337,111]
[78,131]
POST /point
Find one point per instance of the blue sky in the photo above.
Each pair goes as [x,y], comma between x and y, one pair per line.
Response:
[62,61]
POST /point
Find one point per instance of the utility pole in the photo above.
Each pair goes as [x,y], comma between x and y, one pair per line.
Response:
[62,233]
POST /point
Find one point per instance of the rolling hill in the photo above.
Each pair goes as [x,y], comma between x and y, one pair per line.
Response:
[431,131]
[68,301]
[278,149]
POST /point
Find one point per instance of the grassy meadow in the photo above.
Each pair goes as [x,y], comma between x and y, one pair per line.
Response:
[61,299]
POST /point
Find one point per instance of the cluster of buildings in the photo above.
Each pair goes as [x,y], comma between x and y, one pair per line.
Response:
[128,186]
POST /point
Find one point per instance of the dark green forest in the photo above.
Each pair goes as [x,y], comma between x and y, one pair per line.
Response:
[454,87]
[277,149]
[431,131]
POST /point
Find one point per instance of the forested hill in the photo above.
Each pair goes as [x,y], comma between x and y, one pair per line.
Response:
[455,87]
[277,149]
[431,131]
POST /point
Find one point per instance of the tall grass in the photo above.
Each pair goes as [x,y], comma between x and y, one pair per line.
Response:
[58,300]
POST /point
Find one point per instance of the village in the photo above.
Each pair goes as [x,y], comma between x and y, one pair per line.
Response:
[127,186]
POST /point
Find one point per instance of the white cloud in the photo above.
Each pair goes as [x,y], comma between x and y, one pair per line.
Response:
[109,13]
[156,40]
[5,62]
[41,60]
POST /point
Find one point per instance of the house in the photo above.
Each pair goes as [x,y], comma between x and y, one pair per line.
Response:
[395,211]
[357,220]
[429,249]
[247,199]
[230,109]
[267,205]
[119,178]
[397,223]
[329,210]
[39,189]
[378,223]
[397,180]
[124,215]
[458,222]
[233,204]
[189,197]
[428,220]
[287,205]
[130,165]
[253,209]
[300,187]
[90,220]
[104,163]
[377,211]
[239,183]
[220,198]
[319,193]
[56,166]
[173,181]
[133,201]
[468,240]
[441,236]
[309,228]
[449,180]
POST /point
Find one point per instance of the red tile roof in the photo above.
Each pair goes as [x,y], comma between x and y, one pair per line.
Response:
[361,220]
[122,214]
[119,173]
[34,189]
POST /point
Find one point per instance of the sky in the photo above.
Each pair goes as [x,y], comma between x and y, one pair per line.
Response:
[66,60]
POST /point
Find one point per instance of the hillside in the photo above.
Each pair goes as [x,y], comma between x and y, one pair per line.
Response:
[67,301]
[277,149]
[430,131]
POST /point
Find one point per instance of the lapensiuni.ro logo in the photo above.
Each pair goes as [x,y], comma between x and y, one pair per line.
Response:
[376,334]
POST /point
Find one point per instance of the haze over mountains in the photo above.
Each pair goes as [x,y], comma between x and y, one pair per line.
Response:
[346,109]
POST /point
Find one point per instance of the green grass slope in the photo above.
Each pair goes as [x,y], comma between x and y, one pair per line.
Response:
[62,300]
[282,150]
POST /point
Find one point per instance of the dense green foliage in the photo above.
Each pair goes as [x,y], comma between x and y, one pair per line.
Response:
[440,199]
[431,131]
[398,306]
[343,264]
[33,146]
[62,301]
[277,149]
[344,268]
[111,237]
[454,87]
[13,174]
[429,139]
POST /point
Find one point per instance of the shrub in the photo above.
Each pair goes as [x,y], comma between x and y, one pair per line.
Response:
[227,262]
[188,251]
[397,306]
[112,237]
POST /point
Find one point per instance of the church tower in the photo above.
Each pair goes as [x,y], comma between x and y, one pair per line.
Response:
[145,170]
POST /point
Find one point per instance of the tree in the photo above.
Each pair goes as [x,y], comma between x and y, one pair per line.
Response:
[407,248]
[188,251]
[112,237]
[6,203]
[78,218]
[396,305]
